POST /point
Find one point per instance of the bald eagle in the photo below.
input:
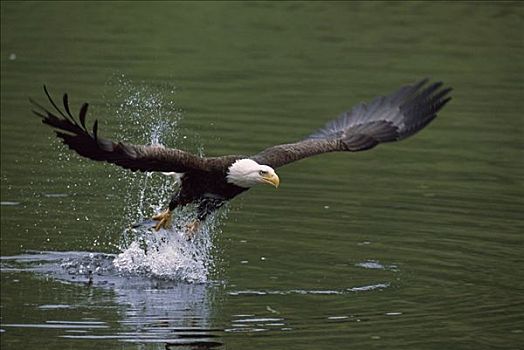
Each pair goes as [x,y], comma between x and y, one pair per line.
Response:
[209,182]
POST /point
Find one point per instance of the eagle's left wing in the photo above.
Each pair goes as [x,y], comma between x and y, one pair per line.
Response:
[89,144]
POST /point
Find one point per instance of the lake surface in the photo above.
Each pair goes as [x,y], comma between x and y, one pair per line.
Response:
[414,245]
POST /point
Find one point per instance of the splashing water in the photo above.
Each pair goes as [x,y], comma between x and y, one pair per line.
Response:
[168,253]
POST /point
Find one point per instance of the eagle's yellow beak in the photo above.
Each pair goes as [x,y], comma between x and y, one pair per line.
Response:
[271,179]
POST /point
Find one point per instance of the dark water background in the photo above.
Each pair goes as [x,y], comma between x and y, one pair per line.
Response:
[412,245]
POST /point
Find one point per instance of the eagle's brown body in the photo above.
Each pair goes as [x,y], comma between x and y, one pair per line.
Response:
[205,182]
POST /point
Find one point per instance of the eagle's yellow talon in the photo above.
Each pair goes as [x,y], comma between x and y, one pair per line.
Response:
[192,229]
[164,220]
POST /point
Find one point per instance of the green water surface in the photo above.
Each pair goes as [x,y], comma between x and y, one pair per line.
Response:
[424,237]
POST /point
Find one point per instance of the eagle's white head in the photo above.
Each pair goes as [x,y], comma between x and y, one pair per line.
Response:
[247,173]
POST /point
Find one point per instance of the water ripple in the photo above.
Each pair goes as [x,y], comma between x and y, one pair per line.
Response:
[310,291]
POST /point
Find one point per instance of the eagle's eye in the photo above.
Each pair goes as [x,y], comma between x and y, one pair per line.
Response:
[262,173]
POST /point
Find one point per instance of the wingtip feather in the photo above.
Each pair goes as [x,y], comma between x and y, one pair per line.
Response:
[95,129]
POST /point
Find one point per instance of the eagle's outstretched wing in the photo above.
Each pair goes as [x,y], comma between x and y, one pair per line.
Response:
[75,134]
[385,119]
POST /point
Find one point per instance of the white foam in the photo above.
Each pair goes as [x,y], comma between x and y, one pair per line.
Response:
[170,255]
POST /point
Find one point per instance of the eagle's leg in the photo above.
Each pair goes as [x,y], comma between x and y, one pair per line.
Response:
[205,208]
[192,229]
[164,218]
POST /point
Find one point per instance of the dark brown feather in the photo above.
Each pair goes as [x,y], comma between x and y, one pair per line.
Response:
[129,156]
[385,119]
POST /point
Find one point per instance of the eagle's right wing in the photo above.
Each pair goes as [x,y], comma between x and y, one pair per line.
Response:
[133,157]
[384,119]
